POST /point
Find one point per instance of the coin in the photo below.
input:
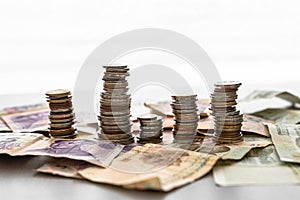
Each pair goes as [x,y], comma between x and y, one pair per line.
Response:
[115,104]
[55,106]
[185,97]
[62,132]
[58,92]
[60,100]
[186,117]
[61,125]
[115,66]
[151,128]
[227,120]
[115,85]
[61,114]
[228,84]
[115,136]
[62,120]
[148,117]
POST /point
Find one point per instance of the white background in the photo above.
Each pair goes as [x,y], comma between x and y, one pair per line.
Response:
[44,43]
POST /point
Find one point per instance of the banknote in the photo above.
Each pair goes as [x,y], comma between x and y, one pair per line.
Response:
[259,167]
[29,121]
[14,143]
[64,167]
[76,149]
[22,108]
[19,144]
[226,151]
[286,139]
[282,116]
[251,124]
[163,108]
[3,127]
[265,94]
[161,168]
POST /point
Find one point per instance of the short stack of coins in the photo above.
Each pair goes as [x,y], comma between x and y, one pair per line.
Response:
[150,129]
[115,106]
[186,118]
[61,114]
[227,119]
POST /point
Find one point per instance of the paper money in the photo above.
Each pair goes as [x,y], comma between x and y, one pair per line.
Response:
[238,151]
[254,124]
[226,151]
[286,139]
[162,172]
[23,108]
[282,116]
[251,124]
[15,143]
[170,167]
[259,167]
[18,144]
[76,150]
[263,94]
[3,127]
[29,121]
[64,167]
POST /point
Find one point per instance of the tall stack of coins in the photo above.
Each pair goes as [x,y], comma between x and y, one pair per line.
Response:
[61,114]
[228,120]
[186,118]
[115,106]
[151,128]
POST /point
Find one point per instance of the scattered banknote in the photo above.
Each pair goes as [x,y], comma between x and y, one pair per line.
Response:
[163,108]
[282,116]
[29,121]
[226,151]
[263,94]
[286,139]
[70,168]
[251,124]
[259,167]
[23,108]
[15,143]
[161,168]
[3,127]
[64,167]
[254,124]
[18,144]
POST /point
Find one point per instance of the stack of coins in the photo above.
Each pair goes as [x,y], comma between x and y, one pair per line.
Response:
[61,114]
[228,120]
[151,129]
[115,106]
[186,118]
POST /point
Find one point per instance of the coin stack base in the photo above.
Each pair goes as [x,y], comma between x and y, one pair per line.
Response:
[151,129]
[186,118]
[61,114]
[115,103]
[228,120]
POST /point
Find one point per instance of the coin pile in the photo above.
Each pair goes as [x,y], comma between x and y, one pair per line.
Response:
[115,106]
[150,129]
[227,119]
[186,118]
[61,114]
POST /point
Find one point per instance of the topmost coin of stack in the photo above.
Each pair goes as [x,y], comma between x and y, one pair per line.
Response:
[186,118]
[228,120]
[61,115]
[115,105]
